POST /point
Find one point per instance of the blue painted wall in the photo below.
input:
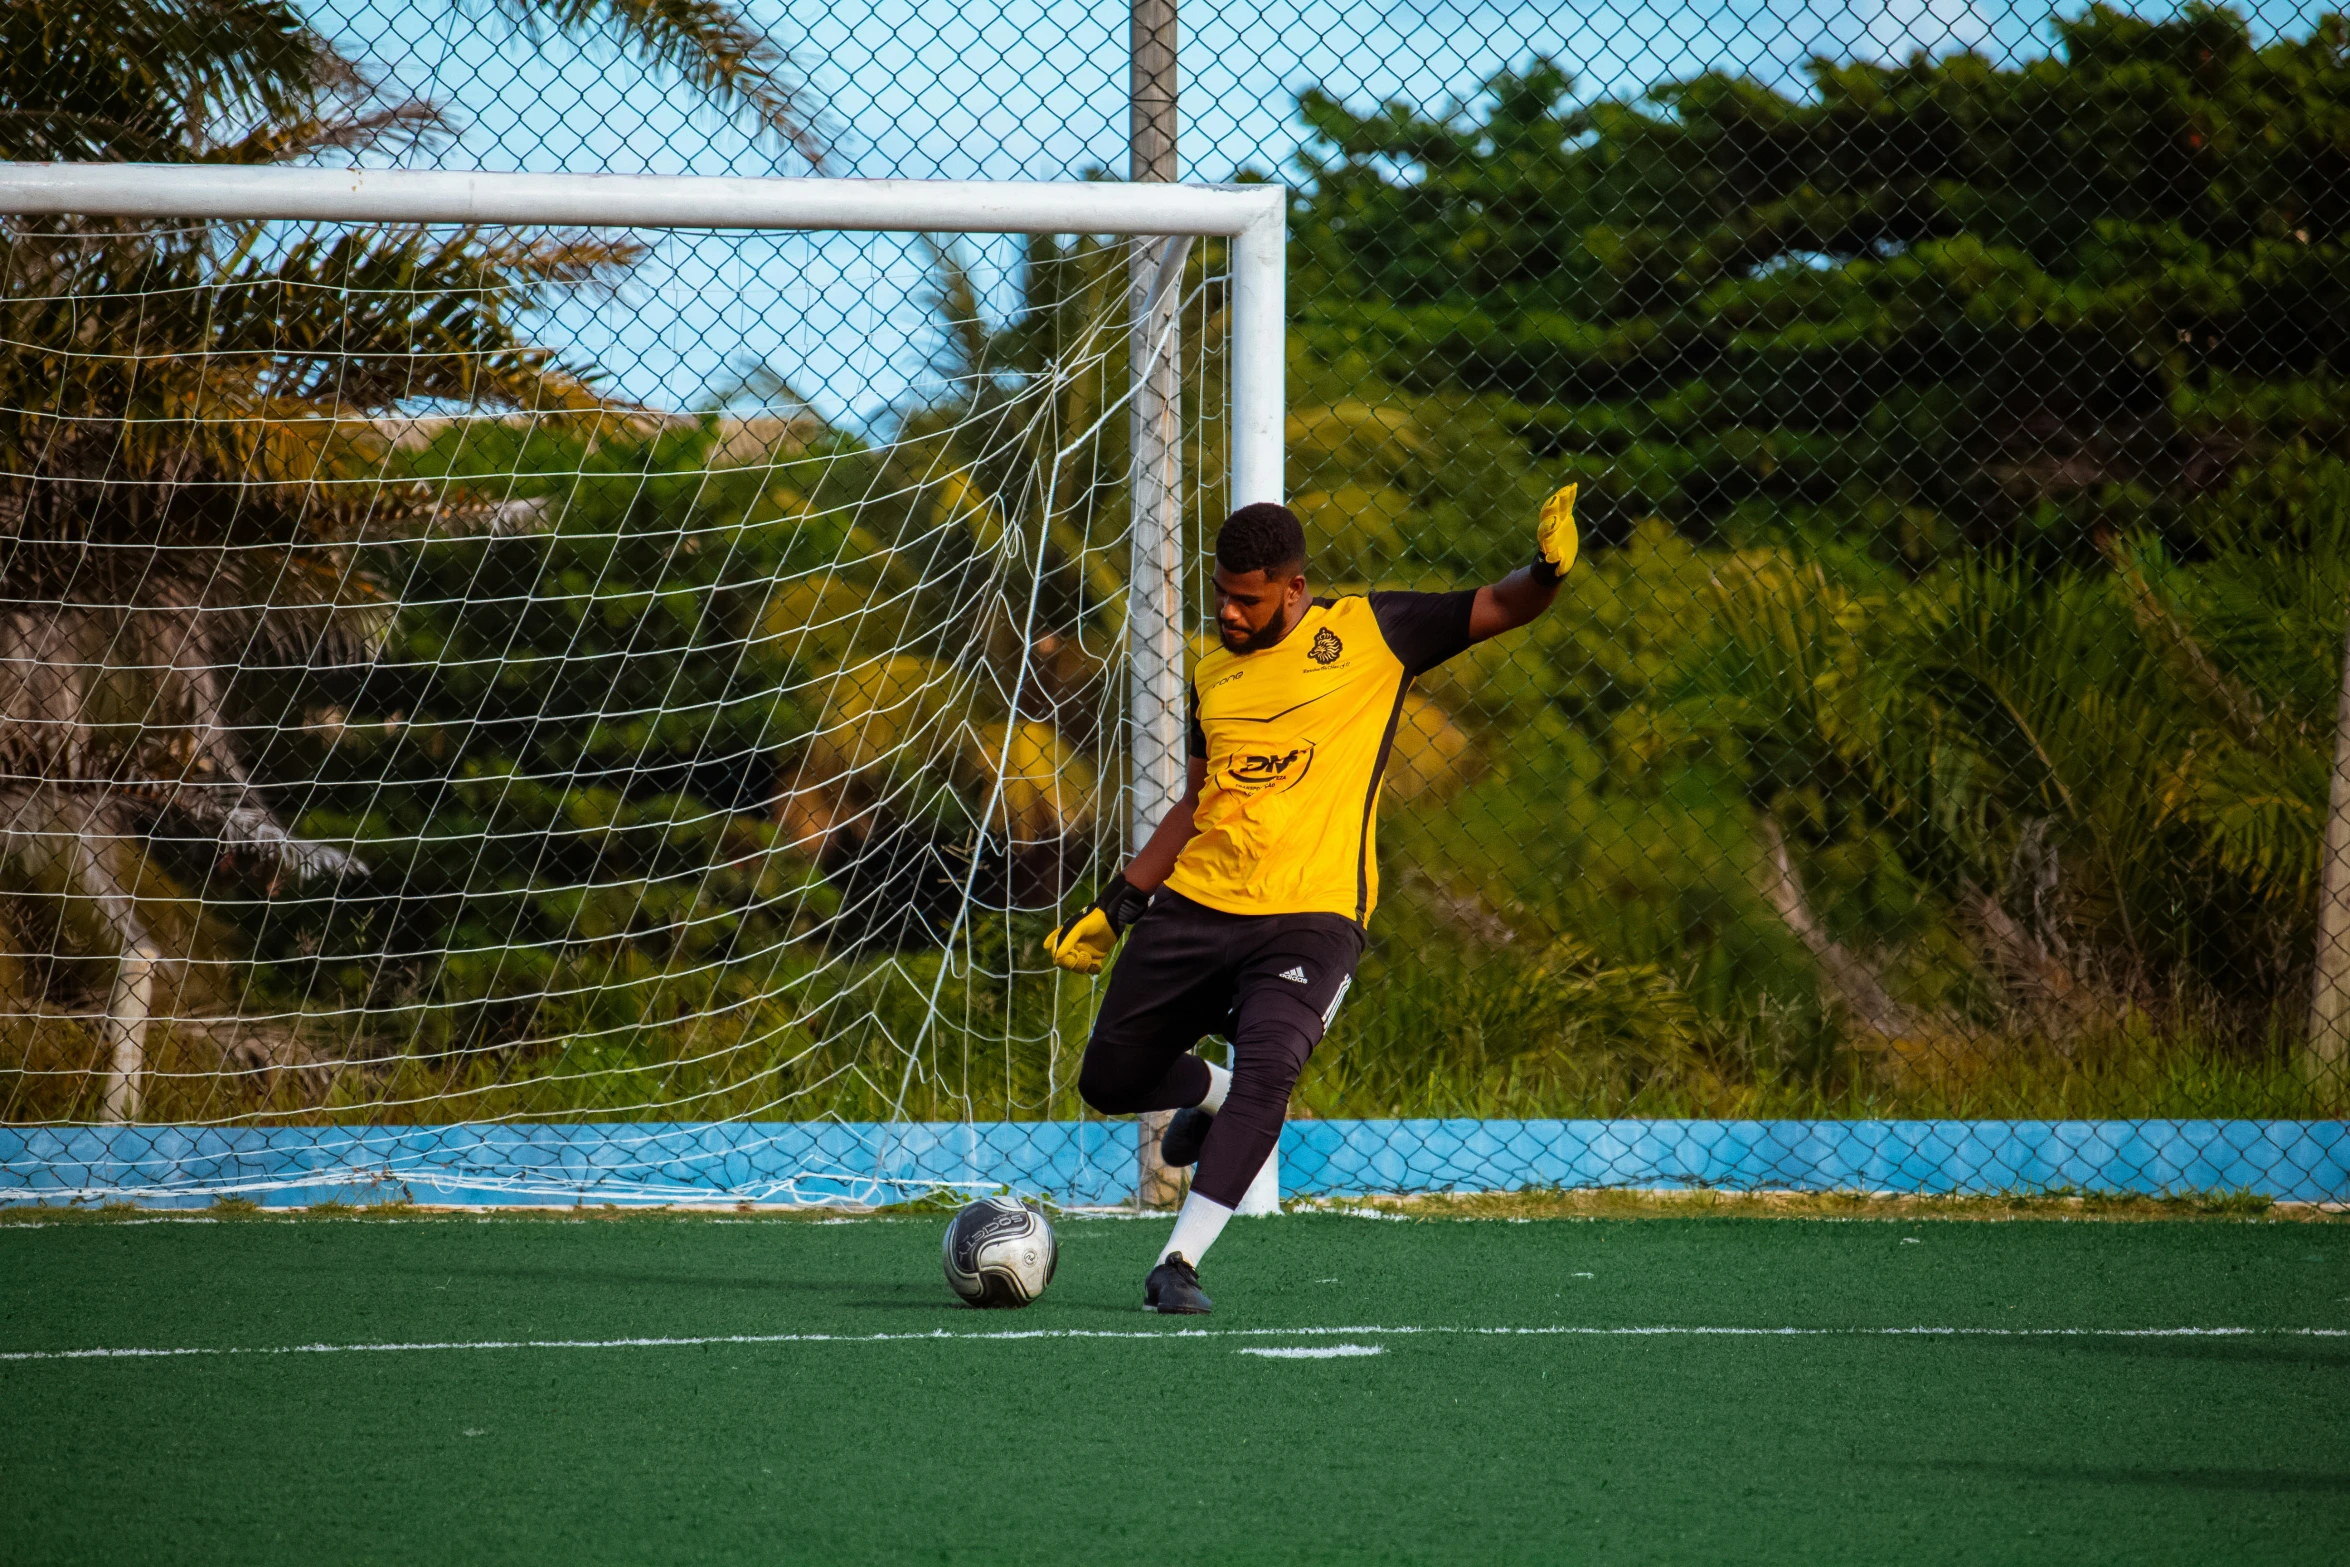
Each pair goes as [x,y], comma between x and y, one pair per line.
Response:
[1091,1163]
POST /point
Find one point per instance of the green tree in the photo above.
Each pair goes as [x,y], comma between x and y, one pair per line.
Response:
[187,455]
[1932,304]
[1963,444]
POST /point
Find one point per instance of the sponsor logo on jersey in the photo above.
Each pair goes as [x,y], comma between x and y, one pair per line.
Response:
[1327,648]
[1260,770]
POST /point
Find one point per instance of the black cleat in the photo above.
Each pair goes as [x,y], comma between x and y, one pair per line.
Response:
[1172,1290]
[1186,1134]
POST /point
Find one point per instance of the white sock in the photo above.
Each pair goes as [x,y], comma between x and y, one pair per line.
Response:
[1219,1084]
[1196,1228]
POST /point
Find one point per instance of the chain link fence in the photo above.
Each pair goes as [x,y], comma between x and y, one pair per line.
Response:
[499,714]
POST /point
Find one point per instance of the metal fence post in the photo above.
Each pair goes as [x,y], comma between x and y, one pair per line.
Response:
[1155,585]
[2327,1054]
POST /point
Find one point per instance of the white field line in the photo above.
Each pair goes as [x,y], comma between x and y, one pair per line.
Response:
[1019,1335]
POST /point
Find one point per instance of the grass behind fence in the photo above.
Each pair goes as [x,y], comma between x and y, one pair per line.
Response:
[1428,1030]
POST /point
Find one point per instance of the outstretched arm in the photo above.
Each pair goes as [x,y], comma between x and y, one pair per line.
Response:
[1510,603]
[1527,592]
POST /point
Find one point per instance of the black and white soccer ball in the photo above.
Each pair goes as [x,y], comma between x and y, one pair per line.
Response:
[1000,1252]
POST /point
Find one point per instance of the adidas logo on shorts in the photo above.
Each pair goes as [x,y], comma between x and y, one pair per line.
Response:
[1297,975]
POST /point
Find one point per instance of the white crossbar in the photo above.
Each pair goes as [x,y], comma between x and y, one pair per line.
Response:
[164,190]
[1254,217]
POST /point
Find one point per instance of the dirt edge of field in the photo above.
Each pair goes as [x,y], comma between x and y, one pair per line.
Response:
[1589,1203]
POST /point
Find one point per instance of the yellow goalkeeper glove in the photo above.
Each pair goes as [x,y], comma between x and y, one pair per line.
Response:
[1085,943]
[1555,537]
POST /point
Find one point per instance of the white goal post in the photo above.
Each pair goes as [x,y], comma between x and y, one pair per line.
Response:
[1161,220]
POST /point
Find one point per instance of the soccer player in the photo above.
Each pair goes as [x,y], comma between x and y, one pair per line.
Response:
[1248,904]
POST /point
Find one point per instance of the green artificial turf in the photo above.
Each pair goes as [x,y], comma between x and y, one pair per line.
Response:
[1167,1446]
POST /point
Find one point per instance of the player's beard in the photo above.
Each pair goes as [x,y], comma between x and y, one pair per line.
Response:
[1256,641]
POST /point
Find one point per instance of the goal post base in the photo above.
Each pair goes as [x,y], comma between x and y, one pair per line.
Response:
[1263,1197]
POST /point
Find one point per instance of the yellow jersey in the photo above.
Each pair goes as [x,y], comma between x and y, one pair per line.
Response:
[1296,737]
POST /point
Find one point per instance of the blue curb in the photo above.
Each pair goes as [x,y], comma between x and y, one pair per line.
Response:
[1092,1163]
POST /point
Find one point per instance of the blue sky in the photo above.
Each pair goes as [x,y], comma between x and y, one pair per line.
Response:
[1031,89]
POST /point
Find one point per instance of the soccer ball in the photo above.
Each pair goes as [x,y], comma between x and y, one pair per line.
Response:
[1000,1252]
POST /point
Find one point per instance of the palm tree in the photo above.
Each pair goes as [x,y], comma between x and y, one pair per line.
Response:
[191,464]
[2116,778]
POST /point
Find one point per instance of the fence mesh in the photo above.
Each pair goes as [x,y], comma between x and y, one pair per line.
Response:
[504,714]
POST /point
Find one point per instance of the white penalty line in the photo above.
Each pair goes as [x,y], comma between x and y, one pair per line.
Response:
[1024,1335]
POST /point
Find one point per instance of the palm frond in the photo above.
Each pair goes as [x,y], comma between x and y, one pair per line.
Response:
[400,126]
[712,47]
[2260,817]
[131,358]
[193,456]
[159,80]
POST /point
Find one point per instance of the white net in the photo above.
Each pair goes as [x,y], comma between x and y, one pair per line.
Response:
[462,689]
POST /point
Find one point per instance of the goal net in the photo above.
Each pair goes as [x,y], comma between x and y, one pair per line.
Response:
[573,689]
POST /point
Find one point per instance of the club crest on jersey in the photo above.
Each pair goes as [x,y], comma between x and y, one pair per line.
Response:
[1267,770]
[1326,648]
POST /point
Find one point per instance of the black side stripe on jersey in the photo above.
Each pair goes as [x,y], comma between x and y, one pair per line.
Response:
[1371,802]
[1284,713]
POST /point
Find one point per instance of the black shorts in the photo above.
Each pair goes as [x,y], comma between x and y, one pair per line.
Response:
[1187,971]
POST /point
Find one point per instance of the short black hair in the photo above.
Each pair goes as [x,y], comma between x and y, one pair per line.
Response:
[1264,537]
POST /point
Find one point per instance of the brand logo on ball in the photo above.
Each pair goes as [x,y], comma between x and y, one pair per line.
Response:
[1267,770]
[1326,648]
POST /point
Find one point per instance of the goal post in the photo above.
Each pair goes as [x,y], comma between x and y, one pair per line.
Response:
[421,1093]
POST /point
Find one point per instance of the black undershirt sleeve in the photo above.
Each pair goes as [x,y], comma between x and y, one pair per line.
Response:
[1424,629]
[1197,736]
